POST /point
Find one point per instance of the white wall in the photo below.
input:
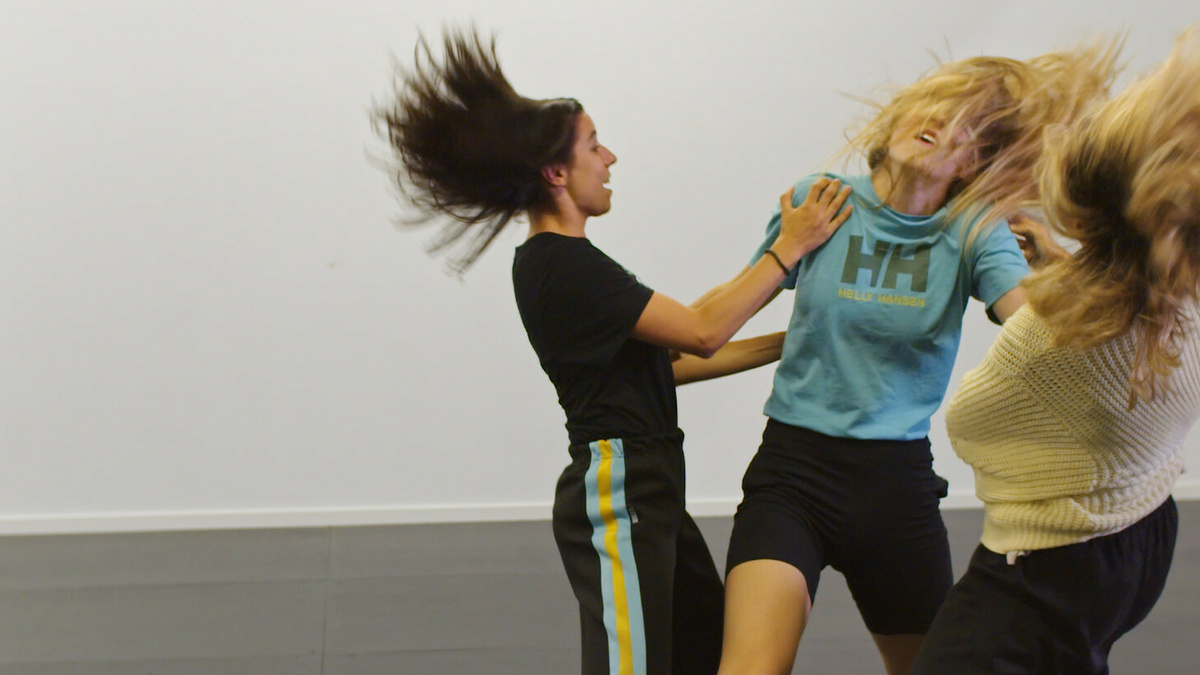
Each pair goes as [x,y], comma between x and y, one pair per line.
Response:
[209,321]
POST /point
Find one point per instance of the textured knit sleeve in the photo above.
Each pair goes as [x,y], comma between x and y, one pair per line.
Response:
[1058,454]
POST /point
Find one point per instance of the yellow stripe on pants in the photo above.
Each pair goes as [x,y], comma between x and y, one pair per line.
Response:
[621,602]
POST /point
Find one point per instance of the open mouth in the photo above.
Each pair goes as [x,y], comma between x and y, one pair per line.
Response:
[927,137]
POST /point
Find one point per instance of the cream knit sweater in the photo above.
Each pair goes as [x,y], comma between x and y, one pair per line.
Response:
[1059,457]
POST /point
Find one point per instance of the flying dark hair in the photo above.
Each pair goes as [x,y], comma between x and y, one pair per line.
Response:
[469,151]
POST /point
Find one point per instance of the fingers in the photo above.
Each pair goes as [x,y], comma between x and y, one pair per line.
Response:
[843,214]
[822,192]
[785,201]
[805,227]
[817,190]
[1020,228]
[1036,242]
[824,206]
[833,198]
[1025,226]
[839,198]
[1028,250]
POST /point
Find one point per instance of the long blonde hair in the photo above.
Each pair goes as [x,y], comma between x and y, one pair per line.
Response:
[1005,105]
[1125,183]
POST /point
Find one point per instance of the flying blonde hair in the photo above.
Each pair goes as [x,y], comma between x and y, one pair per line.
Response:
[1125,183]
[1005,105]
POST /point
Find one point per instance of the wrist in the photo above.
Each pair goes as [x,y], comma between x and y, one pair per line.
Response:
[784,267]
[789,251]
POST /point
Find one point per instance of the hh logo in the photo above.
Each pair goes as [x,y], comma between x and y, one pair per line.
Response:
[891,260]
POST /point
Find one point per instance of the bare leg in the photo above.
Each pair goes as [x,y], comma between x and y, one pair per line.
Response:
[899,651]
[766,610]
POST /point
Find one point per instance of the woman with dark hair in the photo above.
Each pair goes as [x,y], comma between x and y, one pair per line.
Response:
[844,475]
[1075,421]
[471,149]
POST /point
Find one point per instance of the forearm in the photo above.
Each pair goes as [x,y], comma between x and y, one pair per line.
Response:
[709,323]
[734,357]
[705,329]
[725,311]
[726,308]
[1007,305]
[699,302]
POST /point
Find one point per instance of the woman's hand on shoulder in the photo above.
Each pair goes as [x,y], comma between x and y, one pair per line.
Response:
[804,228]
[1036,242]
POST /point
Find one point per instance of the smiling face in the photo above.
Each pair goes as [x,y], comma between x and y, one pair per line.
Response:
[924,144]
[587,171]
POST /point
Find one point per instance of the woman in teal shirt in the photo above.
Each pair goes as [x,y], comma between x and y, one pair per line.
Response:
[844,475]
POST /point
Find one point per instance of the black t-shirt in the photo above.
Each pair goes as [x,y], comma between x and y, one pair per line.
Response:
[579,308]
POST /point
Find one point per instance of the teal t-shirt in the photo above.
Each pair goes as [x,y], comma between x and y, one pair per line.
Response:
[878,314]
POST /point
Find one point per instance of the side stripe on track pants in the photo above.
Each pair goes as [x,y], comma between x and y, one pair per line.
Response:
[612,538]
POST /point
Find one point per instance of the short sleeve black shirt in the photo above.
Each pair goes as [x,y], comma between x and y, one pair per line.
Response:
[579,308]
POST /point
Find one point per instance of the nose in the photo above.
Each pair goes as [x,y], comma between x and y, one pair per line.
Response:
[609,157]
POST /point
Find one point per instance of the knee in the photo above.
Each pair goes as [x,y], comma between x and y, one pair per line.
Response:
[766,610]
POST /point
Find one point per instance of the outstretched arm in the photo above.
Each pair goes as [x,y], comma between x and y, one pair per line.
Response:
[705,327]
[734,357]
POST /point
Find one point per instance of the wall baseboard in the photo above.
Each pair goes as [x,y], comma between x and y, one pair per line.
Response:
[89,523]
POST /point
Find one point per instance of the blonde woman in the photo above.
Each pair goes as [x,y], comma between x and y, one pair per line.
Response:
[1075,421]
[844,475]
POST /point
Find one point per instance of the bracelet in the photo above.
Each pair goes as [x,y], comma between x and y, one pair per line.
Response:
[773,254]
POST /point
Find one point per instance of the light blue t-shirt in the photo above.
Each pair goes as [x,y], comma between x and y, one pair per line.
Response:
[878,314]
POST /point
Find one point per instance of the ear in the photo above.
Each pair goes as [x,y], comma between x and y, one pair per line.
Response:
[555,175]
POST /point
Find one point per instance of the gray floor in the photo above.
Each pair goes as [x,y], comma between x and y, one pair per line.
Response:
[429,599]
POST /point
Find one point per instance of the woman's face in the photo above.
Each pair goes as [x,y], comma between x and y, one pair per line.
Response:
[587,172]
[920,142]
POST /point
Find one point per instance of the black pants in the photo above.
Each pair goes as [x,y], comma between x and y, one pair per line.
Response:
[867,508]
[1057,610]
[650,599]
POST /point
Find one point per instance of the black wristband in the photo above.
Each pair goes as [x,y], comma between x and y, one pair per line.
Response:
[773,254]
